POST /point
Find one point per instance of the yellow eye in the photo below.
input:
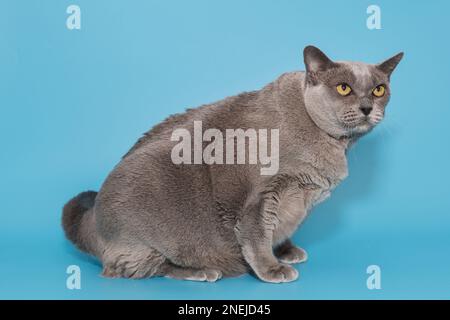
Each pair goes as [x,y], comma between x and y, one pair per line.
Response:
[379,91]
[343,89]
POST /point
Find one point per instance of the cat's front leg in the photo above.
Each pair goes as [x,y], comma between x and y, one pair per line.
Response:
[287,252]
[254,232]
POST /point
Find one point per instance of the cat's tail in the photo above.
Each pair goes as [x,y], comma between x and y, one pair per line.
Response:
[78,222]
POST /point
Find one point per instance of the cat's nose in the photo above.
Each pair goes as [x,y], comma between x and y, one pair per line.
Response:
[365,110]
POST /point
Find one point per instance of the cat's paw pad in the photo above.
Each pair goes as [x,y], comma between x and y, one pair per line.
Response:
[205,275]
[279,273]
[293,255]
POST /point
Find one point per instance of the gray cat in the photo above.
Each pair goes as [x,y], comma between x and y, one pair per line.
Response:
[201,222]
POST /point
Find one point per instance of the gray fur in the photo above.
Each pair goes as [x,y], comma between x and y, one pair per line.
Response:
[201,222]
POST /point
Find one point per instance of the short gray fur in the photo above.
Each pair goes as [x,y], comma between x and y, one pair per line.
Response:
[201,222]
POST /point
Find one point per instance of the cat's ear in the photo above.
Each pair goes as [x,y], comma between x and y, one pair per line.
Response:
[316,60]
[389,65]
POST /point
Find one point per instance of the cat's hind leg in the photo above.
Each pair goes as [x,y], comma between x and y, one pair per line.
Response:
[185,273]
[287,252]
[138,261]
[134,261]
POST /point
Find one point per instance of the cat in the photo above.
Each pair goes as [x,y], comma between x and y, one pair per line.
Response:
[204,222]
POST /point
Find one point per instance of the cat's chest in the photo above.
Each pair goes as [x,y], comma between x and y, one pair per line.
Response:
[297,199]
[314,197]
[328,180]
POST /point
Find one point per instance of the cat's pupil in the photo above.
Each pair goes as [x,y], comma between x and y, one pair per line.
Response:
[344,87]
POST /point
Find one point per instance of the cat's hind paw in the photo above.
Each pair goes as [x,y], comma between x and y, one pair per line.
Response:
[176,272]
[205,275]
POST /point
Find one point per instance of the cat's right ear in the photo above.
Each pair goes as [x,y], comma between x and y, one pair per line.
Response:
[315,60]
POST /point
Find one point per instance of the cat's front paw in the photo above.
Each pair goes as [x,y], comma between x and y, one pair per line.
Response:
[278,273]
[292,254]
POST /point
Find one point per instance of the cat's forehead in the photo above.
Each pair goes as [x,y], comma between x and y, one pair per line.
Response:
[357,74]
[365,74]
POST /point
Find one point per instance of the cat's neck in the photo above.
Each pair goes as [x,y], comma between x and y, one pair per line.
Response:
[301,140]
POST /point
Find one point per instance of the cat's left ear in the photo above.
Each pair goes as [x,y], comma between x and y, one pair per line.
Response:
[389,65]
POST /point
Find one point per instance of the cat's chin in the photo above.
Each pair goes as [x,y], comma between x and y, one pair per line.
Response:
[363,128]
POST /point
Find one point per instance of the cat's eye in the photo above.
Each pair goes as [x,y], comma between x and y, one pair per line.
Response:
[379,91]
[343,89]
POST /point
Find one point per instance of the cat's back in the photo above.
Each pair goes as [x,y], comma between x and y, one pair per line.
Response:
[222,113]
[149,163]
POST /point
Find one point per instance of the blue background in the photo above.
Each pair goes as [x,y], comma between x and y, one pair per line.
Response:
[73,102]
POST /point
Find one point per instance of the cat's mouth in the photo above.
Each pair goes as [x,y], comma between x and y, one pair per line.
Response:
[361,125]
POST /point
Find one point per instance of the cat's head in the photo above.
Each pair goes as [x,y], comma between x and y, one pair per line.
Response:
[346,98]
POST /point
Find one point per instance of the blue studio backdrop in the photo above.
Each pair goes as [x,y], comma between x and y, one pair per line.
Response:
[73,101]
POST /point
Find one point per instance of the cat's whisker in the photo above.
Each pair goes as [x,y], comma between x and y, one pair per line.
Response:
[396,122]
[384,134]
[387,129]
